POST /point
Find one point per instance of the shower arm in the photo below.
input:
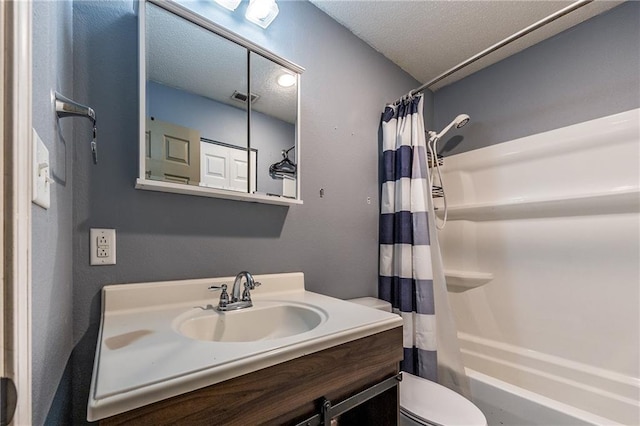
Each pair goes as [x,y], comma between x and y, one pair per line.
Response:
[66,107]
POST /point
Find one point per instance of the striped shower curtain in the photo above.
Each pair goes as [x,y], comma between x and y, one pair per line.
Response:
[406,276]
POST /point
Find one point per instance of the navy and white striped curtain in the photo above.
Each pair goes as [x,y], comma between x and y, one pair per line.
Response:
[406,274]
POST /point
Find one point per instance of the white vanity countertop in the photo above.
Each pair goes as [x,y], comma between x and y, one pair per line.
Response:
[141,359]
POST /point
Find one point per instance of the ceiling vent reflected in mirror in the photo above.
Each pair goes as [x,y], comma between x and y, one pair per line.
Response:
[242,97]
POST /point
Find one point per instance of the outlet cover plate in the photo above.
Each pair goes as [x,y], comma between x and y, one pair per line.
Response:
[102,246]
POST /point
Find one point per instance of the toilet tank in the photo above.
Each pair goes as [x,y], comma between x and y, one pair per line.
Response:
[372,302]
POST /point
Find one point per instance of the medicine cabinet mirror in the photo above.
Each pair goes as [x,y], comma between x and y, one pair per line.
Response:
[219,116]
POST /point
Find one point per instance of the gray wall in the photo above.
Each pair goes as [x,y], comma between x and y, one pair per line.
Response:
[589,71]
[52,229]
[168,236]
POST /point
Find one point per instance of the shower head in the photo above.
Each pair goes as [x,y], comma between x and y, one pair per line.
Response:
[460,121]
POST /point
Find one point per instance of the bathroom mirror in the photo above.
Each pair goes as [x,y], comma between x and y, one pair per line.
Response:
[201,133]
[273,125]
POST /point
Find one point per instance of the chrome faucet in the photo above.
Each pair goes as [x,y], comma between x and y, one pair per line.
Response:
[235,301]
[250,285]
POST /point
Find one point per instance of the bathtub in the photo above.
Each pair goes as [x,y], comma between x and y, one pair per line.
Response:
[541,256]
[505,404]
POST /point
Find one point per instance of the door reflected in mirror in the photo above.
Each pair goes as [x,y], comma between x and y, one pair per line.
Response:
[201,127]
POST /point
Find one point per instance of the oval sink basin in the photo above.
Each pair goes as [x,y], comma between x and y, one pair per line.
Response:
[250,324]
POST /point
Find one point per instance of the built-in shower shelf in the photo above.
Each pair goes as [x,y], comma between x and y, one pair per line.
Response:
[459,281]
[609,202]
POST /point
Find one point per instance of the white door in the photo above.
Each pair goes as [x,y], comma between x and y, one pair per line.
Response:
[239,170]
[226,167]
[215,165]
[172,153]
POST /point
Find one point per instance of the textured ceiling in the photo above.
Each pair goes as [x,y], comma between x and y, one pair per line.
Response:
[185,56]
[426,38]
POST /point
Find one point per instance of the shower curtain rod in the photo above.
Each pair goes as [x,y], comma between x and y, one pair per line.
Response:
[562,12]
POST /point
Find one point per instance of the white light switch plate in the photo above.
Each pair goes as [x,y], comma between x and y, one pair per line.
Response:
[41,182]
[102,246]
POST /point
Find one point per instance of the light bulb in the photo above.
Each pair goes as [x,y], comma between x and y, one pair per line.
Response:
[228,4]
[286,80]
[262,12]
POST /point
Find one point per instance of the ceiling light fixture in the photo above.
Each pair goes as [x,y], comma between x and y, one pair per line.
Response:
[286,80]
[228,4]
[262,12]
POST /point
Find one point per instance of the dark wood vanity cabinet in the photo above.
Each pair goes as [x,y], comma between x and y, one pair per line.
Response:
[289,392]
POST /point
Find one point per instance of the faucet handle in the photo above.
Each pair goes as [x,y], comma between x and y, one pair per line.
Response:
[224,296]
[217,287]
[246,295]
[253,285]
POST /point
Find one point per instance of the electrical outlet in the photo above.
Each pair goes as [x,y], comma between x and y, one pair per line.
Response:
[102,246]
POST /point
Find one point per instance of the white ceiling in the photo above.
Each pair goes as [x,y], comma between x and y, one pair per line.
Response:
[428,37]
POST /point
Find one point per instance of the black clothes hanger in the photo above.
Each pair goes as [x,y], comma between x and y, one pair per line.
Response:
[283,167]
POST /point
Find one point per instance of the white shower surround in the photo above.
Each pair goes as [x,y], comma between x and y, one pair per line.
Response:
[555,218]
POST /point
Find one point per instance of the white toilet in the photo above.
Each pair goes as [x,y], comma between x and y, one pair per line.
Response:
[423,402]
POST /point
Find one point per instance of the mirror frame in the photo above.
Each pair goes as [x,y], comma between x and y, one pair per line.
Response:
[156,185]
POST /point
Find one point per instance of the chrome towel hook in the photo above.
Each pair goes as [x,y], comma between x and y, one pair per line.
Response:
[66,107]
